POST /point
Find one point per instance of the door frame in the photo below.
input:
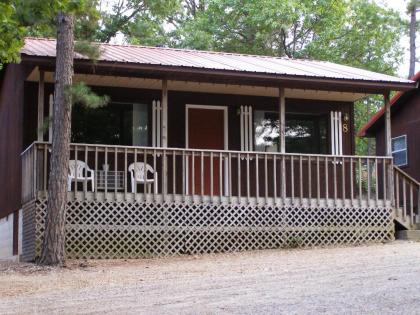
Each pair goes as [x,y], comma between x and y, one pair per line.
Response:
[225,121]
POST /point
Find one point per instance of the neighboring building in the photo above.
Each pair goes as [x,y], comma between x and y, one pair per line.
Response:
[405,149]
[405,130]
[196,152]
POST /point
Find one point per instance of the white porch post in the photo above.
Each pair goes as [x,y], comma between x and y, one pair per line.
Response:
[164,113]
[388,149]
[40,126]
[387,105]
[282,135]
[165,135]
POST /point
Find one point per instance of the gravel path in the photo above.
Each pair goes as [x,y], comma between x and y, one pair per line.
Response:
[375,279]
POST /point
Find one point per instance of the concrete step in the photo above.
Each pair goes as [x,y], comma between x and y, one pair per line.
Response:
[411,235]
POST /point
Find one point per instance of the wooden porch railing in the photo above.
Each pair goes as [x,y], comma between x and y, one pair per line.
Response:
[211,175]
[407,198]
[29,176]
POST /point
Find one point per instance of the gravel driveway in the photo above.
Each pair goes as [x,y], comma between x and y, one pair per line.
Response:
[375,279]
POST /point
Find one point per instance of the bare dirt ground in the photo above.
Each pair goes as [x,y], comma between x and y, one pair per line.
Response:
[375,279]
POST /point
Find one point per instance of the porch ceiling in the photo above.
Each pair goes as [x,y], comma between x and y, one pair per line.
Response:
[190,86]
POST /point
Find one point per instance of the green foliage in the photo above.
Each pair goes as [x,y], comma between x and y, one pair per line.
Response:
[358,32]
[142,21]
[11,39]
[82,94]
[89,49]
[363,110]
[38,16]
[20,18]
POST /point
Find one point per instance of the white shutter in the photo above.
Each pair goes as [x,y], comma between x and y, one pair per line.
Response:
[336,133]
[247,142]
[156,123]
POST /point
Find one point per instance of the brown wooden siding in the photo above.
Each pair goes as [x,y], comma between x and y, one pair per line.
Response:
[11,126]
[30,113]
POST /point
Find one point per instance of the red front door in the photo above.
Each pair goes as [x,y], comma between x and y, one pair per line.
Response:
[205,131]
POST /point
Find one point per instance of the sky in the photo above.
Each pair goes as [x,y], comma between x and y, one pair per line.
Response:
[401,7]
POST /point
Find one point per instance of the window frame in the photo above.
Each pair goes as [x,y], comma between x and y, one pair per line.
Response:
[401,150]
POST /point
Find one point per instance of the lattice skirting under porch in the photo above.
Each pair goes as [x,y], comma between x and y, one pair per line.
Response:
[133,230]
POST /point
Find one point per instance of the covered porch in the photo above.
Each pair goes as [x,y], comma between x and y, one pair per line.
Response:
[167,172]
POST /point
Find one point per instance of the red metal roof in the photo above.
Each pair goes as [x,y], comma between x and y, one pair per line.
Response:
[394,100]
[216,61]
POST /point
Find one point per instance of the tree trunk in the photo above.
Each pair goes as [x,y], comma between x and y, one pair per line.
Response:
[53,249]
[412,39]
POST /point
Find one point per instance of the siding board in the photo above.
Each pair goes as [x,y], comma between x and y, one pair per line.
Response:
[11,125]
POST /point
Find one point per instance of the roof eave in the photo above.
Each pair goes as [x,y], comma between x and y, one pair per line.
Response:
[293,81]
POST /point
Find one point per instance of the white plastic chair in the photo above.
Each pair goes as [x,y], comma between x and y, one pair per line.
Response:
[137,173]
[83,174]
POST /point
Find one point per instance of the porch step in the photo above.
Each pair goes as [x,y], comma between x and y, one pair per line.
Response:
[404,223]
[410,235]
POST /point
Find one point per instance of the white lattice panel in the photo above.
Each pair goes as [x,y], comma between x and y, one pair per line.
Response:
[132,230]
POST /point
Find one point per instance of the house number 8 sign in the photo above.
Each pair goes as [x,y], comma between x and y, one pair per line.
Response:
[345,128]
[345,123]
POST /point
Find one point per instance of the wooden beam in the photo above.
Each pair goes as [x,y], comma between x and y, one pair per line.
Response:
[40,126]
[164,113]
[387,105]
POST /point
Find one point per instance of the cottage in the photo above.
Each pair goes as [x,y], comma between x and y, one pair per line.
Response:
[405,149]
[196,152]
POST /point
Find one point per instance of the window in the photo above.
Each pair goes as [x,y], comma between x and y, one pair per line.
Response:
[304,133]
[399,150]
[116,124]
[140,125]
[266,130]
